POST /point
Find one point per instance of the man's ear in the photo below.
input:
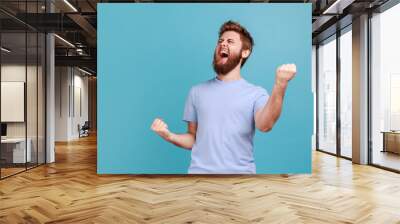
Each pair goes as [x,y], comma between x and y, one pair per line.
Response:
[245,53]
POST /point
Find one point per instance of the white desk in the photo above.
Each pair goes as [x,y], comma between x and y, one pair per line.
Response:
[19,149]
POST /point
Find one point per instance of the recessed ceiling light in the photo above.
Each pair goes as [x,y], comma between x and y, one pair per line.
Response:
[5,50]
[338,6]
[71,6]
[84,71]
[64,40]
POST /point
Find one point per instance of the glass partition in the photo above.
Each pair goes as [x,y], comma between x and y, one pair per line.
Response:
[22,77]
[14,151]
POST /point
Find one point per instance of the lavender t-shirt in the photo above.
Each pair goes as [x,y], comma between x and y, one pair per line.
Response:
[224,112]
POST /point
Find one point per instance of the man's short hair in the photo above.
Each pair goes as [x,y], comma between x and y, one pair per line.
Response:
[245,37]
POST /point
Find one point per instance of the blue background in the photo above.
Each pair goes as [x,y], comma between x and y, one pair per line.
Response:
[149,55]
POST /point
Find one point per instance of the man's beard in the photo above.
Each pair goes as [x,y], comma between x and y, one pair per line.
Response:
[230,64]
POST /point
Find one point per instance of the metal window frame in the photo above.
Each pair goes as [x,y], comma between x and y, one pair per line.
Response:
[389,4]
[339,32]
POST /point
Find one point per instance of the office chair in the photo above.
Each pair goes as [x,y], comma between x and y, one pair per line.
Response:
[84,130]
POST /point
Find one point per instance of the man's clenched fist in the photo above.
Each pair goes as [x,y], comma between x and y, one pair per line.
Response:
[285,73]
[161,128]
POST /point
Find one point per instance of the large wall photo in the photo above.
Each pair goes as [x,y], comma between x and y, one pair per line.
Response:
[170,100]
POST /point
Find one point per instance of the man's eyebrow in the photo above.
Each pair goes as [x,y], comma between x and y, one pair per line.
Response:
[224,39]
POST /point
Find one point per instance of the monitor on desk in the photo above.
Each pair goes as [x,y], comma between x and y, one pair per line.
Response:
[3,130]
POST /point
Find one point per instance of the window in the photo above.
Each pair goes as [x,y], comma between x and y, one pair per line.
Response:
[346,92]
[327,95]
[385,89]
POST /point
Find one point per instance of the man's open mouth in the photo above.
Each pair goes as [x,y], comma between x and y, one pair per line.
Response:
[224,53]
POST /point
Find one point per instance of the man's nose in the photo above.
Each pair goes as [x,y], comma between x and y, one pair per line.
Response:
[224,44]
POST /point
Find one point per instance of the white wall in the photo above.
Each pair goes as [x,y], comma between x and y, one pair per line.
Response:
[70,83]
[62,81]
[33,127]
[15,72]
[79,117]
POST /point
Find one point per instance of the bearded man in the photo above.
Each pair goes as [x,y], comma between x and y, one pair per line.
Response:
[223,112]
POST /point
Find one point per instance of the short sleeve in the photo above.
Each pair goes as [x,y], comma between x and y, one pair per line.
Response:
[261,99]
[189,113]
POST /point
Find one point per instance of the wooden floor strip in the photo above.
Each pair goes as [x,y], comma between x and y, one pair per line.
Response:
[70,191]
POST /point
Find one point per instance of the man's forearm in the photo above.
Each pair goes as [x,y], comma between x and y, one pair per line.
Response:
[185,140]
[270,113]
